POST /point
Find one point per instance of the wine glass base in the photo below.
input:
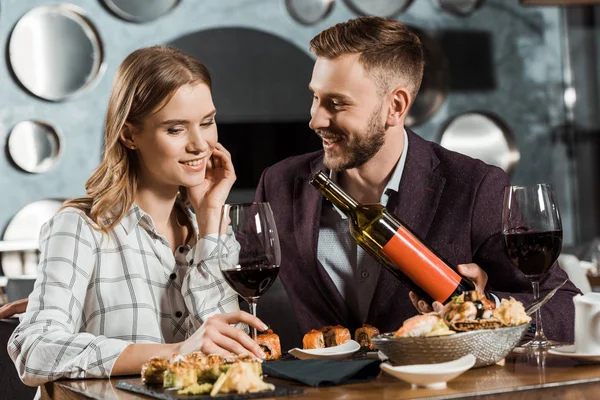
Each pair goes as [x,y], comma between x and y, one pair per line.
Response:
[539,344]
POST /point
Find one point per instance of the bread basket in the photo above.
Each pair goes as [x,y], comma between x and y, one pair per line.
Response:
[487,345]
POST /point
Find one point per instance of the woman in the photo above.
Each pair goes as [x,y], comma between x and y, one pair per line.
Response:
[129,272]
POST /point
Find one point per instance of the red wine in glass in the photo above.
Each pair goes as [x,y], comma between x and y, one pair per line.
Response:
[533,252]
[249,252]
[532,232]
[251,281]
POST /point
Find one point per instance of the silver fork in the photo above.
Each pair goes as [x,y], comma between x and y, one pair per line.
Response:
[533,307]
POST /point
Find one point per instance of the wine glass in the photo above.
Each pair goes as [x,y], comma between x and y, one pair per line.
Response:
[532,232]
[249,253]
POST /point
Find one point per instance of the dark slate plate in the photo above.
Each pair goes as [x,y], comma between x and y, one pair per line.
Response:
[164,394]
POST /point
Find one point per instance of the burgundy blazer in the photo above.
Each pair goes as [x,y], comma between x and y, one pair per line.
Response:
[451,201]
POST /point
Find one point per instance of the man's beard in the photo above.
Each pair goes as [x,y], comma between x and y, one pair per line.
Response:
[367,144]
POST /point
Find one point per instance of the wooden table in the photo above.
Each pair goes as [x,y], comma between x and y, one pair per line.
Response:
[532,375]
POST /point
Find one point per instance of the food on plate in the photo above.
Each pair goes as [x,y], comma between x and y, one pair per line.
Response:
[364,334]
[466,312]
[180,373]
[430,324]
[269,344]
[469,311]
[240,378]
[327,336]
[153,371]
[313,340]
[511,312]
[335,335]
[197,373]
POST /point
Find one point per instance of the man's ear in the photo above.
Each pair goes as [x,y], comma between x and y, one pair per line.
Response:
[400,100]
[127,136]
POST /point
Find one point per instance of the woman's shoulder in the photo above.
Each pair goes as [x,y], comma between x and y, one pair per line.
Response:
[71,219]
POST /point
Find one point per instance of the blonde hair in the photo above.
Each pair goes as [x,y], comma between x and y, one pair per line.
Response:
[388,49]
[144,82]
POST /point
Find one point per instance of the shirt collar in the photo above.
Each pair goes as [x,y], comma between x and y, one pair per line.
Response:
[136,216]
[394,182]
[133,217]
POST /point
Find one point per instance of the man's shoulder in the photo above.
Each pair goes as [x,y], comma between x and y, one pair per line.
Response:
[455,165]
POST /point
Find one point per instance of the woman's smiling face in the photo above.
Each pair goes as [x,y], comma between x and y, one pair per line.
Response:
[175,142]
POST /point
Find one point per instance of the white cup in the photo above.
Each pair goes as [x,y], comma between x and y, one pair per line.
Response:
[587,323]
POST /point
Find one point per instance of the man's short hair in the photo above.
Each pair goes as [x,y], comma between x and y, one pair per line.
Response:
[389,50]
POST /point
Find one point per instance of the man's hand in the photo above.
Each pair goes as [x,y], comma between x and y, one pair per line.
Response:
[14,307]
[472,271]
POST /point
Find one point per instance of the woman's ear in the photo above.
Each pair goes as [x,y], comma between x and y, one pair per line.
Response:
[399,104]
[127,136]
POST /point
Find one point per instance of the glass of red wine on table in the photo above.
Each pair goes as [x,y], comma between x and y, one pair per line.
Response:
[532,232]
[249,253]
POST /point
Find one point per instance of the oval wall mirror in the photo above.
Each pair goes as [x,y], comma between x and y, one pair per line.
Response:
[435,84]
[34,146]
[55,52]
[25,227]
[483,136]
[309,12]
[461,8]
[140,11]
[379,8]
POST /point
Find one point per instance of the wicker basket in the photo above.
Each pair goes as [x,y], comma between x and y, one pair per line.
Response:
[487,345]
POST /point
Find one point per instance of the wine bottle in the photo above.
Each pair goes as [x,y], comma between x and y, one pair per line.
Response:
[395,246]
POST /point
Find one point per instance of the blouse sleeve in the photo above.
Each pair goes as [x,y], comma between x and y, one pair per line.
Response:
[48,343]
[204,288]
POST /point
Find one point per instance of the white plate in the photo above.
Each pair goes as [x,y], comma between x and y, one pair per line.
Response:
[431,376]
[333,353]
[569,351]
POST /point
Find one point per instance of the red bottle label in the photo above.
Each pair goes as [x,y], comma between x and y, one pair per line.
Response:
[421,265]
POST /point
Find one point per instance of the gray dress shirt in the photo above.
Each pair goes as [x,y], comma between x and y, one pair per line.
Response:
[353,271]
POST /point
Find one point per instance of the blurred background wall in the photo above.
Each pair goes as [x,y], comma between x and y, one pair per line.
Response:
[503,60]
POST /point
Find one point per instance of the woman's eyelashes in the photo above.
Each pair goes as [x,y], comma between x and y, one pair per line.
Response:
[178,130]
[206,124]
[174,131]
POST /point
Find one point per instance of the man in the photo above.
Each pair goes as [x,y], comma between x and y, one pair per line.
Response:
[365,79]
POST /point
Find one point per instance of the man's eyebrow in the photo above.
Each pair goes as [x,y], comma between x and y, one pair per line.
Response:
[185,121]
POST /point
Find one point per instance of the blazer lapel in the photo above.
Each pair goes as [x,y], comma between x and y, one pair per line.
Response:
[307,214]
[415,205]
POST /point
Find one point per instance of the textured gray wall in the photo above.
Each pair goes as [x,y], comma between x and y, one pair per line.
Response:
[525,57]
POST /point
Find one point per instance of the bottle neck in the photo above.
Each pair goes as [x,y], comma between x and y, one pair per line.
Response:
[333,192]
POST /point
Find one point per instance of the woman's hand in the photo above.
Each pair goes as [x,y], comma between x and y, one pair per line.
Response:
[208,197]
[217,336]
[472,271]
[218,180]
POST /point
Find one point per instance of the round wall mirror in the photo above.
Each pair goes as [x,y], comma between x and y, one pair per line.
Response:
[483,136]
[461,8]
[25,226]
[34,146]
[379,8]
[140,10]
[309,12]
[55,52]
[435,84]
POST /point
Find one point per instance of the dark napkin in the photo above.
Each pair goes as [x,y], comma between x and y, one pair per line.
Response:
[323,372]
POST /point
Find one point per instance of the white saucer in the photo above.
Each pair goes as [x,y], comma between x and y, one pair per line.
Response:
[333,353]
[569,351]
[431,376]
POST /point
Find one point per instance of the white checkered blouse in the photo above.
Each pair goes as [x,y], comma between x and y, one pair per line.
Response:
[95,294]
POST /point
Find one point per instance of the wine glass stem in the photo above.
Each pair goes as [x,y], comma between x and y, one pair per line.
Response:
[252,304]
[539,330]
